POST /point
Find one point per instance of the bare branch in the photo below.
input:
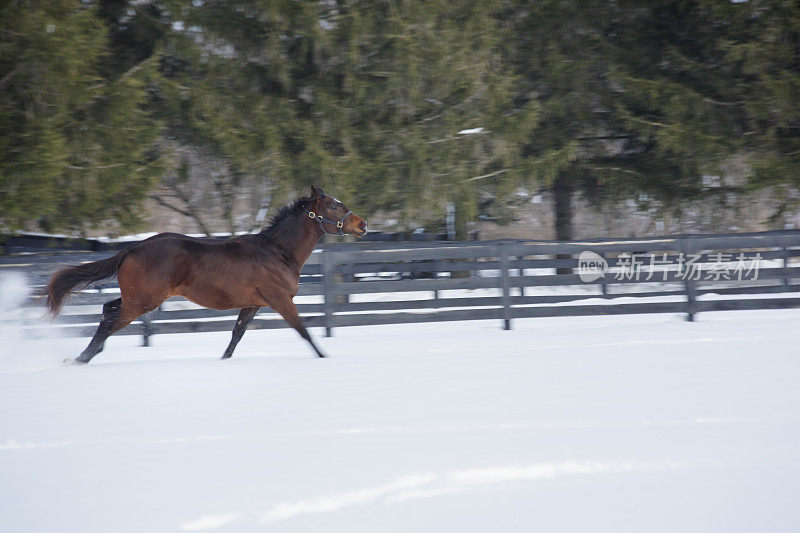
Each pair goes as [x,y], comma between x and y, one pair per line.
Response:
[188,212]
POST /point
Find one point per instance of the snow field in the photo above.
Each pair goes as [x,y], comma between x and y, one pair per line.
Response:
[622,423]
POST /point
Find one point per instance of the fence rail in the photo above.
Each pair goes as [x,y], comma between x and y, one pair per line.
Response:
[393,283]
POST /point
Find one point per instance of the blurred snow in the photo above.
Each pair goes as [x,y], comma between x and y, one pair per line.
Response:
[16,352]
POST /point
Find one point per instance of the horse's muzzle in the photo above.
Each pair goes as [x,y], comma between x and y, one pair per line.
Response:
[362,228]
[356,225]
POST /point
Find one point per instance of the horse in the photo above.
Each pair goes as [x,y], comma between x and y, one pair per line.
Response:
[246,272]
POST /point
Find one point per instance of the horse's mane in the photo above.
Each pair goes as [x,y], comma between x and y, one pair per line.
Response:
[284,213]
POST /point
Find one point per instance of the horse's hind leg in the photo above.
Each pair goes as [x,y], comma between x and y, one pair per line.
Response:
[104,330]
[116,315]
[245,317]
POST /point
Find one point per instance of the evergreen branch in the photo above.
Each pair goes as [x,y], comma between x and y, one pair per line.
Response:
[97,167]
[14,33]
[603,138]
[8,76]
[102,85]
[719,102]
[452,108]
[657,83]
[650,122]
[426,119]
[436,141]
[618,169]
[495,173]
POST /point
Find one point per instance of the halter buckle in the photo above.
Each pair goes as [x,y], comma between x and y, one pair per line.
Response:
[311,214]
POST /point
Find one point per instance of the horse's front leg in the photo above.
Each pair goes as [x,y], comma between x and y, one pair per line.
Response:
[245,317]
[283,305]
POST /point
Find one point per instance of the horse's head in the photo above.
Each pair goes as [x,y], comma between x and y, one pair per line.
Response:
[333,216]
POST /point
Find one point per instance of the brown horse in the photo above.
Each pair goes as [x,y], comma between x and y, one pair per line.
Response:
[247,272]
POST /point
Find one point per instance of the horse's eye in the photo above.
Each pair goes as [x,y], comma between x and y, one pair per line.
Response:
[333,207]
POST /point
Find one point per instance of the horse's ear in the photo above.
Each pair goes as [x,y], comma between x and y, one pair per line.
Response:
[316,192]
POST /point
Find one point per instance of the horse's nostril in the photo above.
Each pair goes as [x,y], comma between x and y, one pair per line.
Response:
[363,225]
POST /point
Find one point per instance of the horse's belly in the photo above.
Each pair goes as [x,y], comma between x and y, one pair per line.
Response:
[215,297]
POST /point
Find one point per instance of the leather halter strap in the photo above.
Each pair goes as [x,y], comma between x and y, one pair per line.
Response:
[322,220]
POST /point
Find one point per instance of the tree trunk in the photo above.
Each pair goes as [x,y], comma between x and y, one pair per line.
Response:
[562,198]
[460,224]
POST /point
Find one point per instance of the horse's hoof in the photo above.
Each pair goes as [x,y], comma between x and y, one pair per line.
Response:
[72,362]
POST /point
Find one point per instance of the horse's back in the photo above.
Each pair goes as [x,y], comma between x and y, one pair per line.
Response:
[220,274]
[177,237]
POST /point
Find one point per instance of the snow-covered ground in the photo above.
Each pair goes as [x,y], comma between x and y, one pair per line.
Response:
[598,424]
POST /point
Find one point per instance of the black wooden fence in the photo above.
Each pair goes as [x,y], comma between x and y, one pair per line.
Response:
[394,283]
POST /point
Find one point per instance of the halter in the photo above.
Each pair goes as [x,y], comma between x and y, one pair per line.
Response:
[321,220]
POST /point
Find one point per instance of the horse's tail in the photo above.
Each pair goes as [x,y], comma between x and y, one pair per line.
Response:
[66,279]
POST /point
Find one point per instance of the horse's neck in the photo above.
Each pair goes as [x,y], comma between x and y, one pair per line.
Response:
[298,236]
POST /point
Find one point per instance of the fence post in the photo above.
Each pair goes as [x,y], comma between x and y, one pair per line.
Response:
[503,253]
[327,289]
[687,247]
[603,284]
[785,254]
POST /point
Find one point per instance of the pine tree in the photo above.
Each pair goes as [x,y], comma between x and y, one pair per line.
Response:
[77,145]
[405,79]
[630,97]
[764,52]
[231,98]
[366,98]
